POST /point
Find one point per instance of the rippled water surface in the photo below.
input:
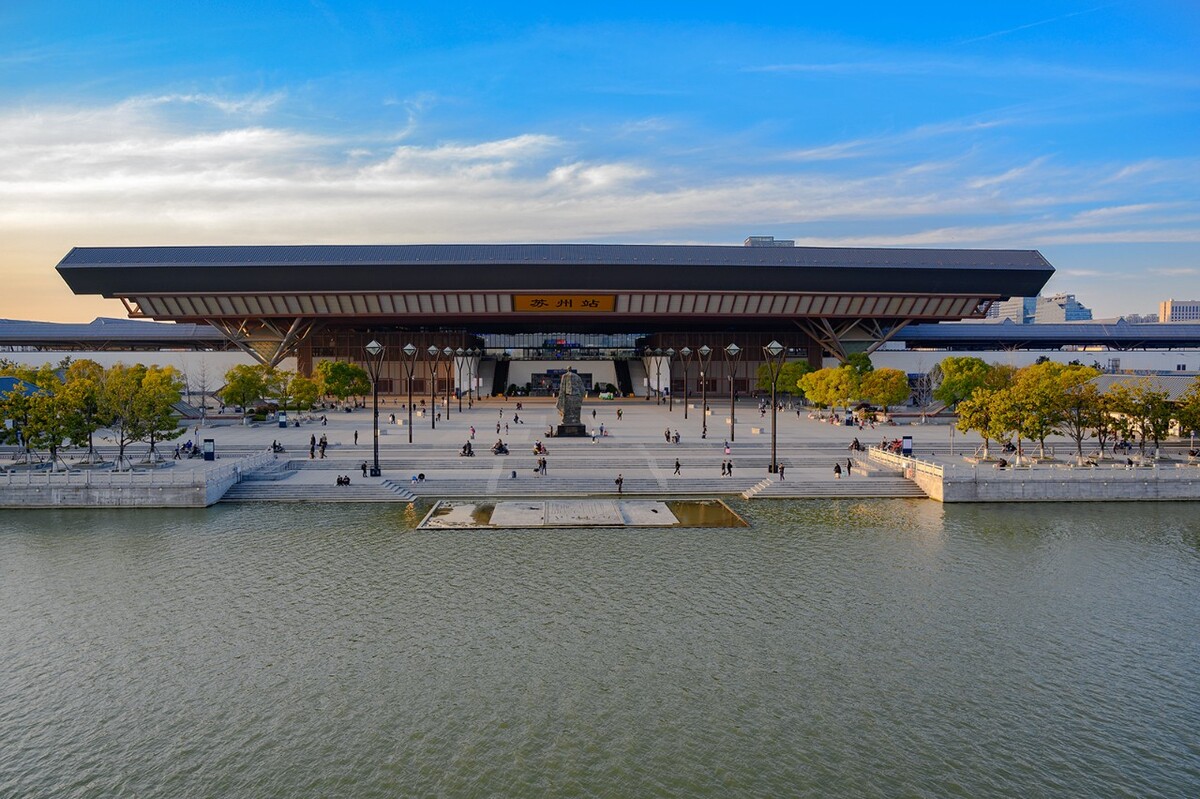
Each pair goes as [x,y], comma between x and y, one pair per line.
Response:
[883,648]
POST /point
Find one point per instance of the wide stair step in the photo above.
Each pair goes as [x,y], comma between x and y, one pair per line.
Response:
[283,491]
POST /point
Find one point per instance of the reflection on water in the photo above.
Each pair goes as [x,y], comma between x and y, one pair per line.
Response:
[845,648]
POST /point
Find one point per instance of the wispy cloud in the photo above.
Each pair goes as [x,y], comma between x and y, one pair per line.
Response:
[1036,24]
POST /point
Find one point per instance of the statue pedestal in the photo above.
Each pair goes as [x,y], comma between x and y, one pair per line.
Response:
[571,431]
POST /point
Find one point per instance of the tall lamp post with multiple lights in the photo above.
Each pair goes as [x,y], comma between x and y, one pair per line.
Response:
[686,354]
[733,354]
[434,352]
[374,364]
[410,364]
[658,376]
[704,354]
[774,353]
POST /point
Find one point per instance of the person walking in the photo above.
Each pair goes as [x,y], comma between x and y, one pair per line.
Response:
[620,481]
[729,468]
[837,471]
[618,414]
[676,436]
[667,435]
[472,432]
[356,441]
[781,468]
[364,468]
[593,413]
[849,466]
[677,467]
[723,469]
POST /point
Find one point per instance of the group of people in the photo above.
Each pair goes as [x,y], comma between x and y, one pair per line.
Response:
[467,450]
[540,467]
[314,445]
[343,480]
[540,449]
[499,448]
[669,437]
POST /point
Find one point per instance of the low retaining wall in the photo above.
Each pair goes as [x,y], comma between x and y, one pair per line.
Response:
[968,483]
[154,488]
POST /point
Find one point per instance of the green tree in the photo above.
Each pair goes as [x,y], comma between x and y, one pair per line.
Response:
[885,387]
[827,387]
[1145,409]
[83,388]
[982,412]
[960,376]
[789,376]
[1038,393]
[1081,406]
[1187,409]
[305,391]
[340,379]
[33,412]
[860,362]
[161,389]
[244,384]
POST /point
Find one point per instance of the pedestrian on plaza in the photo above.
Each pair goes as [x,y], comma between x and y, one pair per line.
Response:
[497,428]
[364,468]
[781,468]
[543,467]
[356,438]
[849,466]
[620,481]
[722,468]
[667,435]
[618,414]
[506,426]
[729,468]
[593,413]
[676,436]
[837,471]
[677,466]
[472,432]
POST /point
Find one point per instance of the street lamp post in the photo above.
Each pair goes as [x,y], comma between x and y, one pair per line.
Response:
[686,352]
[449,353]
[434,352]
[703,355]
[775,353]
[460,366]
[658,376]
[733,354]
[374,363]
[410,364]
[472,365]
[670,393]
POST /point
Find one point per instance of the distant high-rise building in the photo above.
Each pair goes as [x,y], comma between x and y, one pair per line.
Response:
[767,241]
[1179,311]
[1043,310]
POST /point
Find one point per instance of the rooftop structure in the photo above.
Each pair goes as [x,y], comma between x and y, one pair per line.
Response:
[268,300]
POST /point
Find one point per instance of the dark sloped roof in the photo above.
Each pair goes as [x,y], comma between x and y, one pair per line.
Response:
[126,271]
[15,331]
[1009,333]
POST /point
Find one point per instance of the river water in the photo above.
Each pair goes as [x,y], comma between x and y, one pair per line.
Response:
[882,648]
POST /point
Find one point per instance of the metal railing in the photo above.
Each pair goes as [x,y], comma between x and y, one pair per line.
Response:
[147,477]
[905,463]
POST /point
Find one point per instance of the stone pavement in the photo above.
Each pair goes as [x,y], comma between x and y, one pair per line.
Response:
[635,446]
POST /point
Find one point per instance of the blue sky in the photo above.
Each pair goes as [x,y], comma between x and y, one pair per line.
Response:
[1070,127]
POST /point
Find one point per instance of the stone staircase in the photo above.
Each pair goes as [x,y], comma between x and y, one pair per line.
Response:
[283,491]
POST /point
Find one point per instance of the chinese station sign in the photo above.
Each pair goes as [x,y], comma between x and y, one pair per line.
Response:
[564,303]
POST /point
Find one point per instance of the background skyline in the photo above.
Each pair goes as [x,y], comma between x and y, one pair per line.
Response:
[1068,127]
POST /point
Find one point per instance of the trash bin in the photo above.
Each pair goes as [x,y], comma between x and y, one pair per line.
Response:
[282,417]
[210,450]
